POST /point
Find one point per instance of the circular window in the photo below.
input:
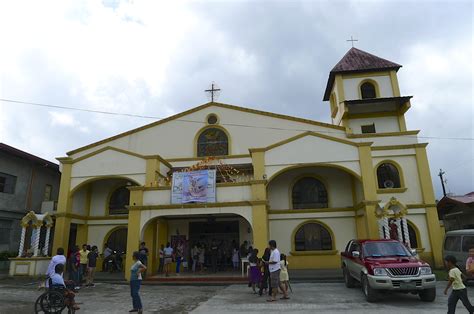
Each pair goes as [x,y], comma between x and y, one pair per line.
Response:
[212,119]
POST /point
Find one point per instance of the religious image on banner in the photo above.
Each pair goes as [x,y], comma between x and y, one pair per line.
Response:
[195,187]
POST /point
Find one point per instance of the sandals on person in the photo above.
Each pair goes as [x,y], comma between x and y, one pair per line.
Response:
[284,298]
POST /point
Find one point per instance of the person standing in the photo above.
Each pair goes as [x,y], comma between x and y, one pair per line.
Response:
[195,256]
[274,268]
[214,250]
[202,253]
[168,252]
[179,257]
[83,261]
[59,258]
[143,251]
[107,256]
[266,274]
[74,266]
[459,291]
[135,281]
[243,249]
[284,277]
[91,265]
[235,259]
[162,259]
[255,274]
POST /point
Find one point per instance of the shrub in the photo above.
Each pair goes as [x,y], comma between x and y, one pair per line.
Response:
[6,254]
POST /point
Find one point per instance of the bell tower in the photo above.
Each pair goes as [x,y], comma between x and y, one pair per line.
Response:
[364,94]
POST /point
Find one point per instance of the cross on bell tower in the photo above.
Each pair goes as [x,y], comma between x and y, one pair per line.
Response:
[214,91]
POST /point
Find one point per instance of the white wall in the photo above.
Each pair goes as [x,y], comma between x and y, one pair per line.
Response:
[420,221]
[79,201]
[351,90]
[337,182]
[100,191]
[382,124]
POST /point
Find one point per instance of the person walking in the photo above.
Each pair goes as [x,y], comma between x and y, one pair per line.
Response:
[91,265]
[275,269]
[162,259]
[107,254]
[284,277]
[459,291]
[168,252]
[83,263]
[135,281]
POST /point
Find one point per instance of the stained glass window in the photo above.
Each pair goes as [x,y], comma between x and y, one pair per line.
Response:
[309,192]
[119,199]
[388,176]
[313,237]
[213,142]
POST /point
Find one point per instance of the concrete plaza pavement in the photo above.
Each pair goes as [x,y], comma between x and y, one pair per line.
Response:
[17,296]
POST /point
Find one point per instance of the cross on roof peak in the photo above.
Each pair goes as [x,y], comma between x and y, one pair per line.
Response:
[213,91]
[352,40]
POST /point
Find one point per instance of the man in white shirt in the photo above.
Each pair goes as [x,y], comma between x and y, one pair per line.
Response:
[274,268]
[59,258]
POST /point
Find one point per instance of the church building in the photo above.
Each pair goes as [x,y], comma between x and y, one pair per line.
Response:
[311,186]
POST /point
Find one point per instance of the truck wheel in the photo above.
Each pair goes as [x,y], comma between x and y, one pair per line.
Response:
[348,280]
[371,295]
[428,295]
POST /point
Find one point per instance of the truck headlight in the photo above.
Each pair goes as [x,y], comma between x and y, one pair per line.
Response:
[425,270]
[380,272]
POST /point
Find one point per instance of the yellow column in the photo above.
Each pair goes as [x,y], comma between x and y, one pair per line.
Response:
[370,191]
[133,235]
[152,170]
[432,219]
[259,194]
[81,236]
[162,233]
[63,223]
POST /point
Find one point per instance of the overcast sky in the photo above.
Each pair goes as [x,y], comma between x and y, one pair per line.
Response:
[156,57]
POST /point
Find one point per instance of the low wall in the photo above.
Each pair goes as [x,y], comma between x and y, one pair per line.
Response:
[29,266]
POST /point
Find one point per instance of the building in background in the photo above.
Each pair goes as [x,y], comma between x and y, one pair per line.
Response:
[27,183]
[457,212]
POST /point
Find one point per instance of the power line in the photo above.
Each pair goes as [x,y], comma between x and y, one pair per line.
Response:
[201,122]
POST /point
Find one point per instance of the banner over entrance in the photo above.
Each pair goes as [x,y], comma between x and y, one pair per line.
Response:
[194,187]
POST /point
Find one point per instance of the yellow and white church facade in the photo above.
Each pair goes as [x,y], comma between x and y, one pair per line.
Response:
[311,186]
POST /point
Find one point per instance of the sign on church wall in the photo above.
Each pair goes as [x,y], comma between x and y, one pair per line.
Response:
[194,187]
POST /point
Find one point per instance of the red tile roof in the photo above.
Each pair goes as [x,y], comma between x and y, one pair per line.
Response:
[356,60]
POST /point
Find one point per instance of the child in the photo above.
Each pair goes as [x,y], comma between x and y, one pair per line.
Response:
[284,278]
[459,289]
[91,265]
[254,272]
[235,259]
[470,264]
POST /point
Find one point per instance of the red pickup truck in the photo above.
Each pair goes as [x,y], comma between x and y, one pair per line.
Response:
[386,265]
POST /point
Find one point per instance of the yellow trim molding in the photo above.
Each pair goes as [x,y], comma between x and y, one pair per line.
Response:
[309,211]
[394,83]
[198,108]
[321,252]
[322,164]
[417,234]
[202,158]
[394,147]
[365,74]
[391,191]
[98,178]
[369,135]
[198,205]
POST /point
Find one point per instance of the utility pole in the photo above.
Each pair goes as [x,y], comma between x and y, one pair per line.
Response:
[440,175]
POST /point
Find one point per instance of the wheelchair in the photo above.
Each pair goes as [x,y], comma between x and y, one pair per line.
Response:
[53,301]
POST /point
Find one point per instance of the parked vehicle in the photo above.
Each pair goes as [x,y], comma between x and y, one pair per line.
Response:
[386,265]
[458,243]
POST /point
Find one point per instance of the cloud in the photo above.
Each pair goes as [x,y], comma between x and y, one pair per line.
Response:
[156,58]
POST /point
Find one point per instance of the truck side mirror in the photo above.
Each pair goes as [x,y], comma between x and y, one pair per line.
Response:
[413,252]
[355,254]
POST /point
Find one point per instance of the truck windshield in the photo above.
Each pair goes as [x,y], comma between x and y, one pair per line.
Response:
[382,249]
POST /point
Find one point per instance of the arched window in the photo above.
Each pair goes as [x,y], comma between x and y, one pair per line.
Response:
[212,142]
[119,199]
[313,237]
[388,176]
[309,192]
[117,240]
[367,90]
